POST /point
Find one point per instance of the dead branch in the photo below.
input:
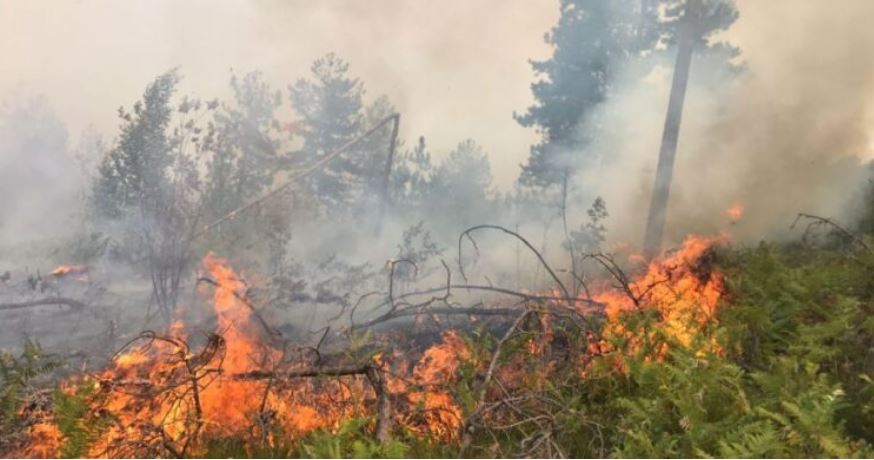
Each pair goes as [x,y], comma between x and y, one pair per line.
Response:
[386,177]
[818,221]
[72,303]
[469,311]
[466,426]
[300,174]
[399,307]
[500,290]
[374,374]
[609,263]
[320,371]
[467,233]
[425,308]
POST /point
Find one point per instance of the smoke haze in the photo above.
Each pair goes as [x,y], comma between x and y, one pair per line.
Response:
[781,138]
[787,135]
[454,69]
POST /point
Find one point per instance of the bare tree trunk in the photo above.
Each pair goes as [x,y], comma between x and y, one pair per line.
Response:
[386,178]
[655,223]
[567,236]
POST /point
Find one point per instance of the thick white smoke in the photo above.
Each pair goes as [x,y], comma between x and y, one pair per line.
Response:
[789,134]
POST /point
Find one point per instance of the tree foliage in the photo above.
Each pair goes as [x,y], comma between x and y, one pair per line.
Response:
[597,47]
[330,105]
[136,170]
[244,146]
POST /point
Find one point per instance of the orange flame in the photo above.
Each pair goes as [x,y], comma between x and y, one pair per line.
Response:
[680,287]
[438,366]
[164,396]
[62,271]
[735,212]
[204,400]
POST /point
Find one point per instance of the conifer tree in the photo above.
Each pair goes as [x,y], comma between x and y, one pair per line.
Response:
[590,42]
[329,105]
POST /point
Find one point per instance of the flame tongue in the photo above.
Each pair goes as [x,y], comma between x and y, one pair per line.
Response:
[234,317]
[227,403]
[63,270]
[438,366]
[681,287]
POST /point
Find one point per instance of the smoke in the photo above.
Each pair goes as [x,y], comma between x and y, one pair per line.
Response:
[455,69]
[789,134]
[38,175]
[778,138]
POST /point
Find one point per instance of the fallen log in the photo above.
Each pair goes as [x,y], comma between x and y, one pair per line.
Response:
[72,303]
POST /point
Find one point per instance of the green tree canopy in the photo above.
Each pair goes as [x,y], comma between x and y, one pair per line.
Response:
[136,169]
[330,107]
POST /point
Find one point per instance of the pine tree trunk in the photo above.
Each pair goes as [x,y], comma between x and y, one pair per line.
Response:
[655,223]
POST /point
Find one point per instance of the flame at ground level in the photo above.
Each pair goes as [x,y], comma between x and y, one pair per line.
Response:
[681,287]
[162,396]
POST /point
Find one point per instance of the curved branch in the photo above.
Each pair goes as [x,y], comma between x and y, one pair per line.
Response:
[520,238]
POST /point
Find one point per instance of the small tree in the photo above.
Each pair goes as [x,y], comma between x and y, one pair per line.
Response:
[148,186]
[460,188]
[410,177]
[243,142]
[137,169]
[243,145]
[330,105]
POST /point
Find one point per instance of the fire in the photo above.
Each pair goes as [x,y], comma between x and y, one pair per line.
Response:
[63,270]
[437,366]
[165,395]
[735,212]
[81,272]
[680,287]
[44,441]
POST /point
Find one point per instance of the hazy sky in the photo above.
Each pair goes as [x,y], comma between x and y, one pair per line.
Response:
[455,68]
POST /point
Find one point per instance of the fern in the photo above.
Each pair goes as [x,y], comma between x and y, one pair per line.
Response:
[350,441]
[78,425]
[18,375]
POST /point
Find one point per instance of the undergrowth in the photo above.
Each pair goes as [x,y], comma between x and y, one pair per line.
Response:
[792,375]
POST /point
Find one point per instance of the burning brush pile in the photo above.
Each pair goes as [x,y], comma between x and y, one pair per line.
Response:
[175,392]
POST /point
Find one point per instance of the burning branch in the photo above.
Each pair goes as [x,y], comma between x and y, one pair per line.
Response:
[374,374]
[466,431]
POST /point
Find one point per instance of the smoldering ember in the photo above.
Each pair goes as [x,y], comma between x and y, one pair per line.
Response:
[491,229]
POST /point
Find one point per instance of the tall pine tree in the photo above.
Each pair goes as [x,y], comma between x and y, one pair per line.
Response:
[590,42]
[692,22]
